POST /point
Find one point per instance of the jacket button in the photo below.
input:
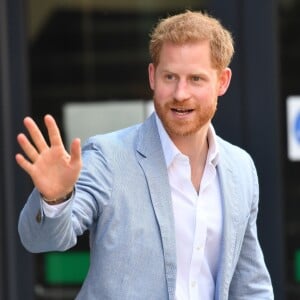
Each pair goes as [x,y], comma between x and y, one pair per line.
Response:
[38,217]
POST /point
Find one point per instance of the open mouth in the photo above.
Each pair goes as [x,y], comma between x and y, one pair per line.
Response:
[181,111]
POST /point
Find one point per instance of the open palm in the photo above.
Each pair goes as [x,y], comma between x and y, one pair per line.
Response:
[52,169]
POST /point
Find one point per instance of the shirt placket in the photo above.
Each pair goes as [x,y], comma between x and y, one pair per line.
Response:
[198,252]
[200,234]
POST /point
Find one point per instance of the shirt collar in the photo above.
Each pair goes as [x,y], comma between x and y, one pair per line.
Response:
[171,151]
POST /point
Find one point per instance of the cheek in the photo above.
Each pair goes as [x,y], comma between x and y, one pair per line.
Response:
[209,93]
[162,91]
[203,94]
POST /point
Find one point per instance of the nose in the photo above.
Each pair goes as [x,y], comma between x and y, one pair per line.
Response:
[181,92]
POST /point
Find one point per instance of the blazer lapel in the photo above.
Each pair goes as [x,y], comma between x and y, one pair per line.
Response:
[229,196]
[151,158]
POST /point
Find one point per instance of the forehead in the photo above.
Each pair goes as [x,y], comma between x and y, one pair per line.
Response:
[188,54]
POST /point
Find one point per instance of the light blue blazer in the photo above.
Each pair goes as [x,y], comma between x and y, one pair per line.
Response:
[123,198]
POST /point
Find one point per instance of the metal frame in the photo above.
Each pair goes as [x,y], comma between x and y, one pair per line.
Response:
[16,274]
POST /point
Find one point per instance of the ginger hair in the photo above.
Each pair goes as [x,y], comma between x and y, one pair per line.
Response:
[192,27]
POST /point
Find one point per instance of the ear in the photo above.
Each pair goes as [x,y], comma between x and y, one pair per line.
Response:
[224,80]
[151,74]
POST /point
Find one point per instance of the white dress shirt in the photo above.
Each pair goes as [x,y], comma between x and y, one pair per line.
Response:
[198,220]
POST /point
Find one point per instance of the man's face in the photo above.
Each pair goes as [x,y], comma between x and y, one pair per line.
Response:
[186,87]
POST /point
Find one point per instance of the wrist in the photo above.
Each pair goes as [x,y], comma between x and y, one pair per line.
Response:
[58,200]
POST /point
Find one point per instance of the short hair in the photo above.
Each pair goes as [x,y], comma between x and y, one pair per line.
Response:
[189,27]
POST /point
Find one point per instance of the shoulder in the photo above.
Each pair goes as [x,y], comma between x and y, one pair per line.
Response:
[233,153]
[237,170]
[238,161]
[142,137]
[231,149]
[113,140]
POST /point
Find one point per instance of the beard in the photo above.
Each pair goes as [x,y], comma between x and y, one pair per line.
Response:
[186,126]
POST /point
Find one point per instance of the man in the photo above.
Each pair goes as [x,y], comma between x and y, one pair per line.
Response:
[171,208]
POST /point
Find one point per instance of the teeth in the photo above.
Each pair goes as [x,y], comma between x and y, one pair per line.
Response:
[181,110]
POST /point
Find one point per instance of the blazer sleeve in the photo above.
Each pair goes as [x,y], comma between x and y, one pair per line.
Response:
[39,233]
[251,279]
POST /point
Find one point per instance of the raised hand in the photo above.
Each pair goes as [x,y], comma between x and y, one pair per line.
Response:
[52,169]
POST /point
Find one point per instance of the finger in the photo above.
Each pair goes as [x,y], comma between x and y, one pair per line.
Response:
[27,147]
[53,131]
[75,152]
[35,134]
[23,163]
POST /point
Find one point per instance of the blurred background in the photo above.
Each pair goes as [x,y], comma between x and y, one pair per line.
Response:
[85,62]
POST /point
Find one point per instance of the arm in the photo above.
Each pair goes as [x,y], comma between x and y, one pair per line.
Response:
[52,170]
[40,232]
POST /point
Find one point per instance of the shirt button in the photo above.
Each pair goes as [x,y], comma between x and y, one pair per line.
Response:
[199,248]
[38,216]
[193,284]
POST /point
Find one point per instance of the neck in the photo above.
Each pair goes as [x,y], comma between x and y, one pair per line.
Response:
[196,148]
